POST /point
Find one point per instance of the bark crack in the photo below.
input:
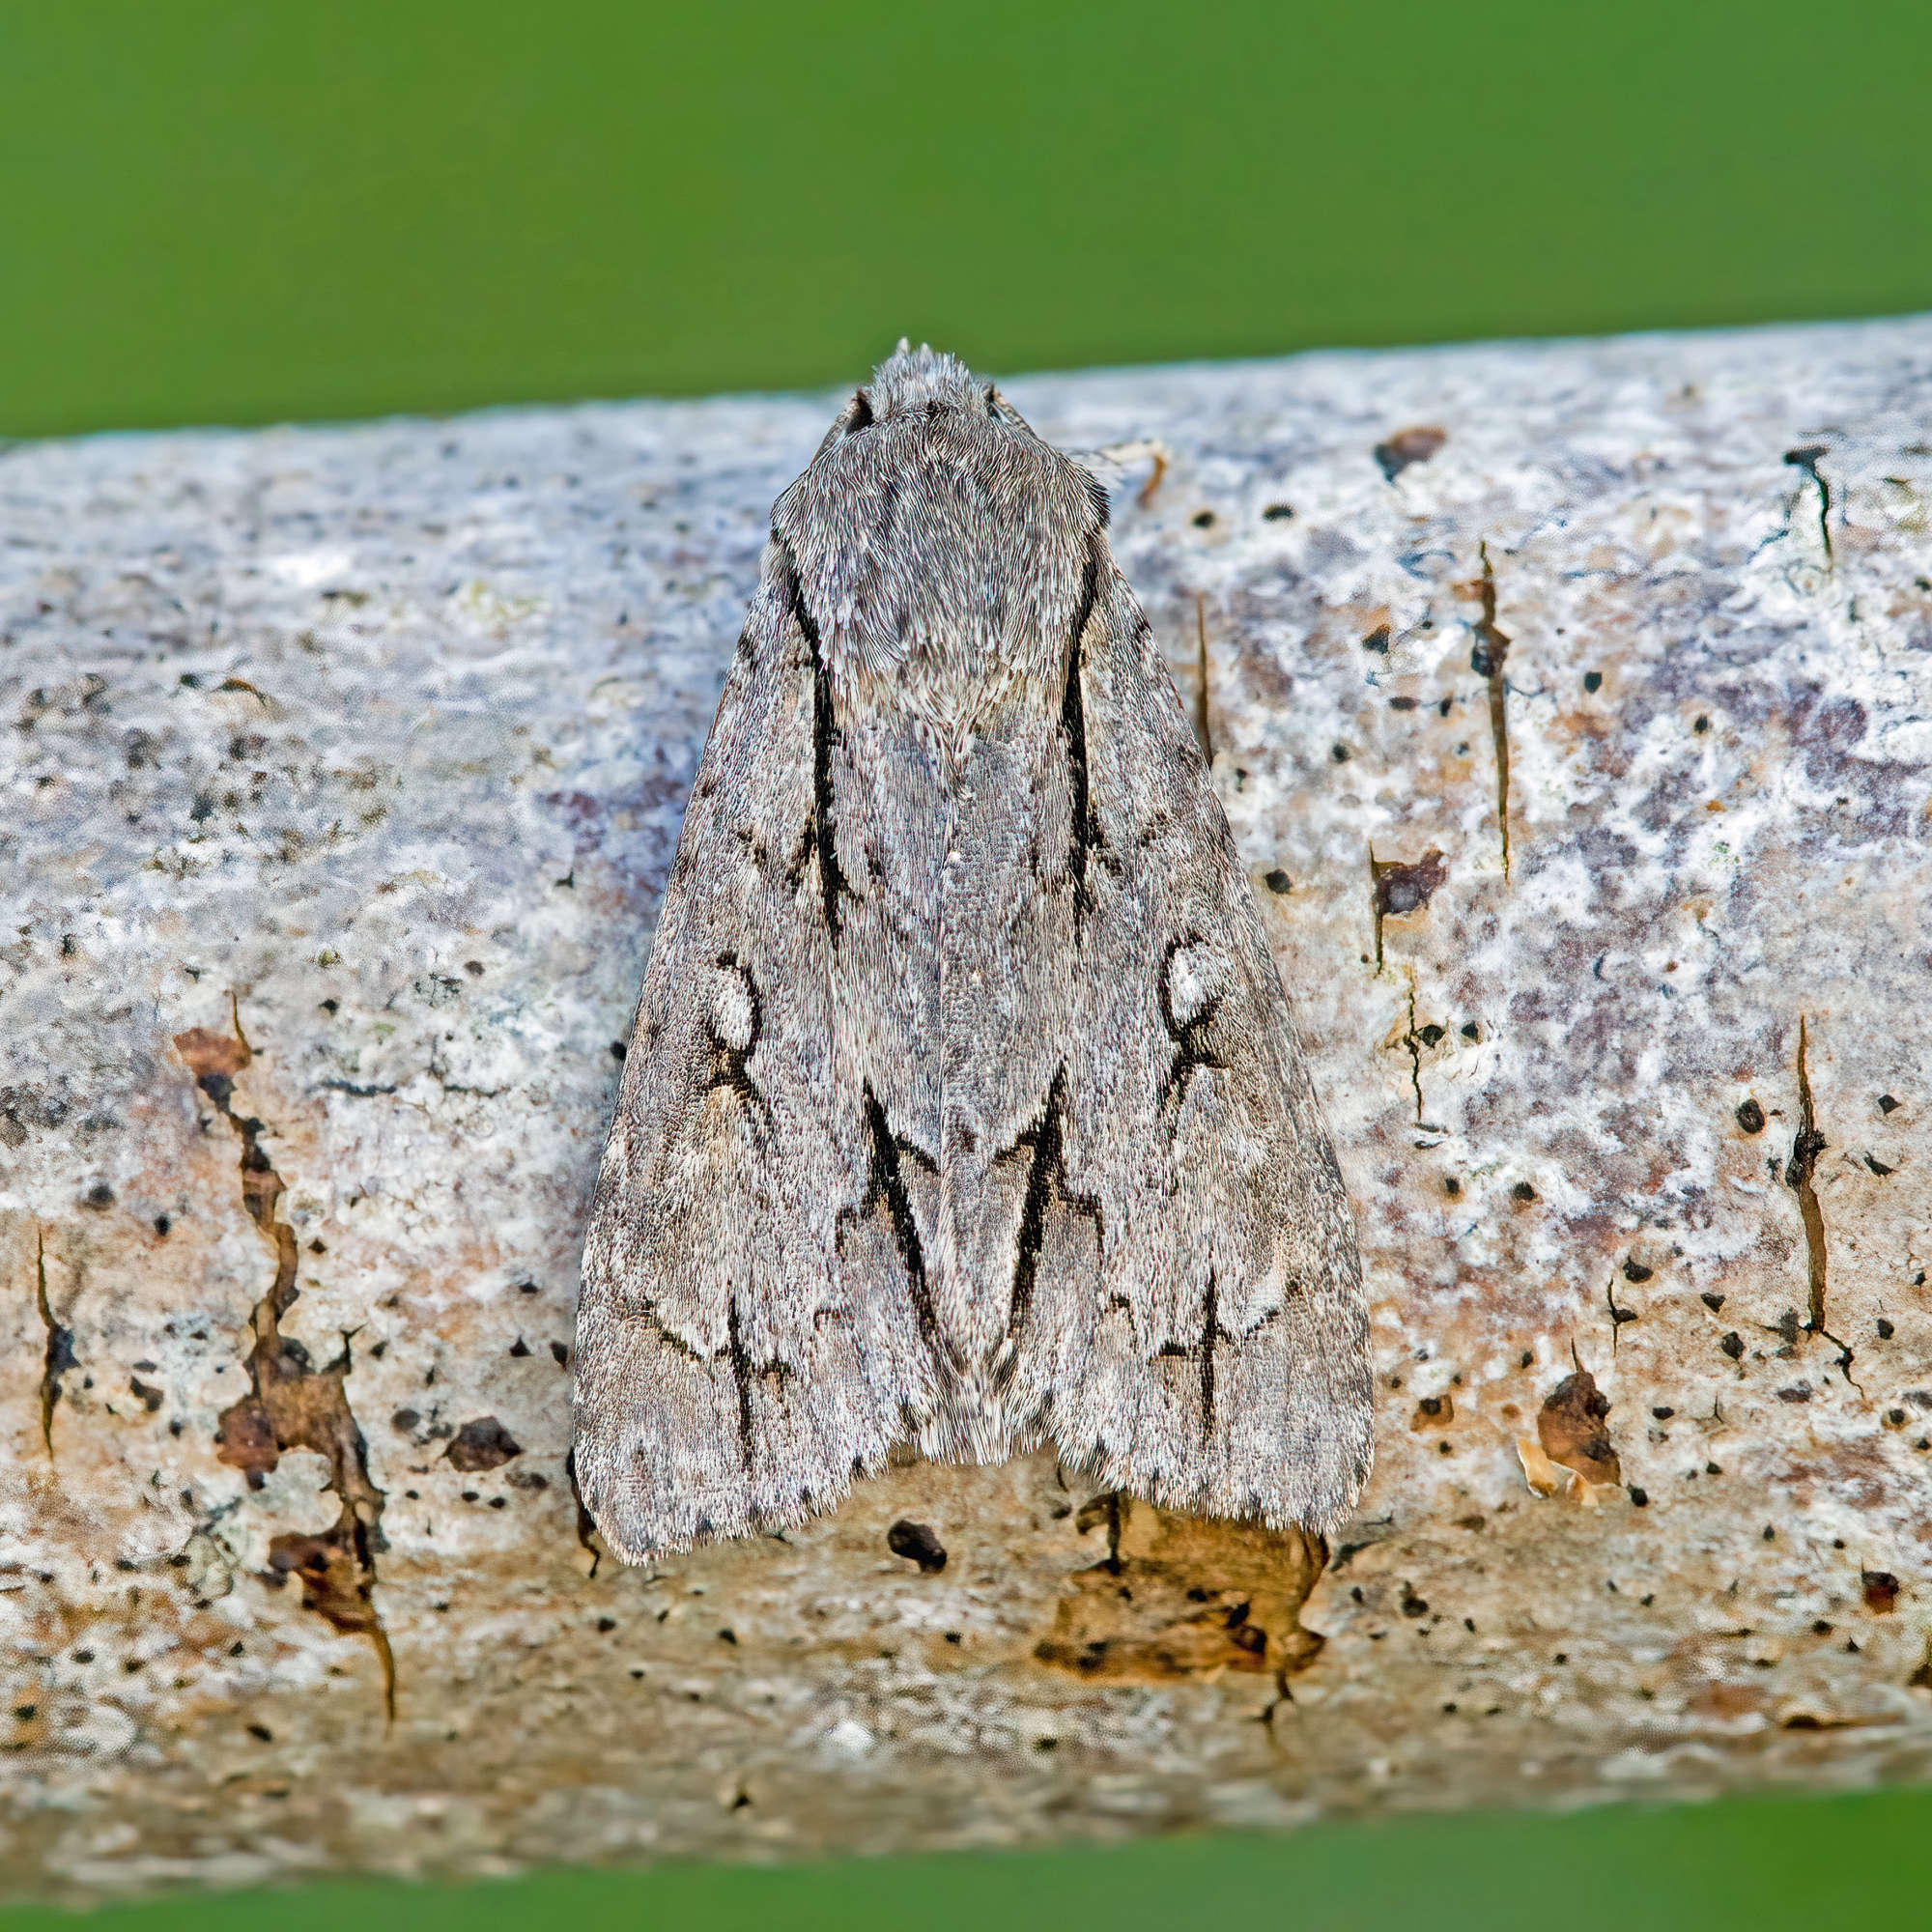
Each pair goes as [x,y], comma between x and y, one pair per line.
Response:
[1806,461]
[290,1404]
[60,1356]
[1800,1175]
[1414,1047]
[1618,1315]
[1202,724]
[1486,659]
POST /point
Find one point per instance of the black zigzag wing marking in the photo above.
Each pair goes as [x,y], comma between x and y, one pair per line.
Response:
[825,738]
[727,1379]
[1085,834]
[1191,1127]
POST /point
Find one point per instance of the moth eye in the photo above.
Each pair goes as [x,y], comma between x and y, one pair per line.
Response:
[992,402]
[862,415]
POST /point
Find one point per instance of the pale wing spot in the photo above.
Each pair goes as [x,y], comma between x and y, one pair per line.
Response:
[732,1017]
[1197,981]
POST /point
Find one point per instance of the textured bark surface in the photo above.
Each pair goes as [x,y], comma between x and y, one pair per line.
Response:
[1572,705]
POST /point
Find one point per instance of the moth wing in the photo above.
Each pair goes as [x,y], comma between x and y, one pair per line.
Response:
[725,1383]
[1194,1328]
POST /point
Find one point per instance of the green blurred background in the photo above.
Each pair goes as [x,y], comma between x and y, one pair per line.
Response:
[213,212]
[221,213]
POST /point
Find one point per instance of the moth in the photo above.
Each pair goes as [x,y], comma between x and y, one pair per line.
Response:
[962,1105]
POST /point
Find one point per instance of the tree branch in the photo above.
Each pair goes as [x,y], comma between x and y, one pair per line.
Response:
[346,768]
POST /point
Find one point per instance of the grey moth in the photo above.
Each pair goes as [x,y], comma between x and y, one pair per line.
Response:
[962,1106]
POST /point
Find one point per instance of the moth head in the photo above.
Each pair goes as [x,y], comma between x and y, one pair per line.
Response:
[917,382]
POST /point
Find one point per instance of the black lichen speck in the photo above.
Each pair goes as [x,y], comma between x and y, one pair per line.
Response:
[482,1444]
[916,1542]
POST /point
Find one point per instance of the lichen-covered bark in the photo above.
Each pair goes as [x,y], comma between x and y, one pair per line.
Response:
[1572,705]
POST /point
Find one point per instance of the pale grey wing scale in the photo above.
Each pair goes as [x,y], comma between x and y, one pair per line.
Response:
[1185,1317]
[726,1380]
